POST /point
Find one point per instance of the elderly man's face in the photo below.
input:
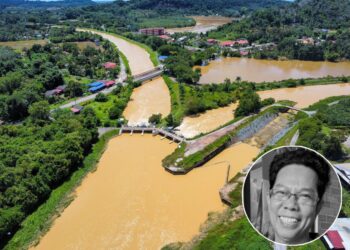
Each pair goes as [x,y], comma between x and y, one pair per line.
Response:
[292,218]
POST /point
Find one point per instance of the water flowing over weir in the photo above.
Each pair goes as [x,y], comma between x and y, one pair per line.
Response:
[130,202]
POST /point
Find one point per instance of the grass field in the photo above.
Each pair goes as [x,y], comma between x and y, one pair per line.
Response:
[19,45]
[167,22]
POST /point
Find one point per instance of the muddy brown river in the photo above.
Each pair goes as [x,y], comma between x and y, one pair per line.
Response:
[203,24]
[131,202]
[305,96]
[268,70]
[206,122]
[151,98]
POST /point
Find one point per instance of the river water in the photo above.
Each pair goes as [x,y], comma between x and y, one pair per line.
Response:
[206,122]
[131,202]
[268,70]
[203,24]
[305,96]
[151,98]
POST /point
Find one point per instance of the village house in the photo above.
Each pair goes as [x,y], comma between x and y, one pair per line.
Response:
[109,65]
[57,91]
[242,42]
[306,41]
[76,109]
[227,43]
[152,31]
[211,41]
[166,38]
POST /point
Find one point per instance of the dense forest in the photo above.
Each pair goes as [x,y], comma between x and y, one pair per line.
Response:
[306,30]
[36,157]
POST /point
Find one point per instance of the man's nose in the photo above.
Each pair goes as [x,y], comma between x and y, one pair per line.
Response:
[291,203]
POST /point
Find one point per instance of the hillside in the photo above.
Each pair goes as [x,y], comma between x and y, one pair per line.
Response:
[224,7]
[44,4]
[323,13]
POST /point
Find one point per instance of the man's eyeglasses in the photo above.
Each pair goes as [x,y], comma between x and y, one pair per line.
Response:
[304,198]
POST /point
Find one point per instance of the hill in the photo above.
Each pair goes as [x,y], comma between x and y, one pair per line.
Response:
[44,4]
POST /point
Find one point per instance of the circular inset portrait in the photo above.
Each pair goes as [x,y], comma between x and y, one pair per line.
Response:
[292,195]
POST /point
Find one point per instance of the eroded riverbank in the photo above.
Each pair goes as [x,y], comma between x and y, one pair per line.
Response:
[131,202]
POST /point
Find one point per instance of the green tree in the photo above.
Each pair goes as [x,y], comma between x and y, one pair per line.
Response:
[155,118]
[101,97]
[249,103]
[39,112]
[74,89]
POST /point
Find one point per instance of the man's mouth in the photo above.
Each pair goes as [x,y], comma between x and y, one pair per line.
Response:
[288,220]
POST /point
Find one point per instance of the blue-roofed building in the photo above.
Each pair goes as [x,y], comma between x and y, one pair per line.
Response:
[162,58]
[97,88]
[95,84]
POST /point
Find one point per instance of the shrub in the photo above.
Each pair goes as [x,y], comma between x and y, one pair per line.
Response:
[101,97]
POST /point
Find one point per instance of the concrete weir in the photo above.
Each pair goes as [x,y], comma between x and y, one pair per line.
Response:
[153,130]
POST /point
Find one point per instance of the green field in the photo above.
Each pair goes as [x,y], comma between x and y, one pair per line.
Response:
[19,45]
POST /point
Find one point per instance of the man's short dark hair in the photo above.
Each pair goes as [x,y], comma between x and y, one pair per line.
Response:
[302,156]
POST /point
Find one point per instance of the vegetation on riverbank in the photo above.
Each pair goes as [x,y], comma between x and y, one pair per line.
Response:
[36,224]
[292,83]
[36,157]
[109,109]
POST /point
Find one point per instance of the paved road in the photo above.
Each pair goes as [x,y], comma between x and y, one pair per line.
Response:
[294,139]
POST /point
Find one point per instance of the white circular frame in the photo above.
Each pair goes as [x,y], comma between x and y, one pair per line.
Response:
[331,167]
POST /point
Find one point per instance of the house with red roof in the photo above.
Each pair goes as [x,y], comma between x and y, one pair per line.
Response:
[76,109]
[227,43]
[242,42]
[109,83]
[165,37]
[153,31]
[212,41]
[110,65]
[338,236]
